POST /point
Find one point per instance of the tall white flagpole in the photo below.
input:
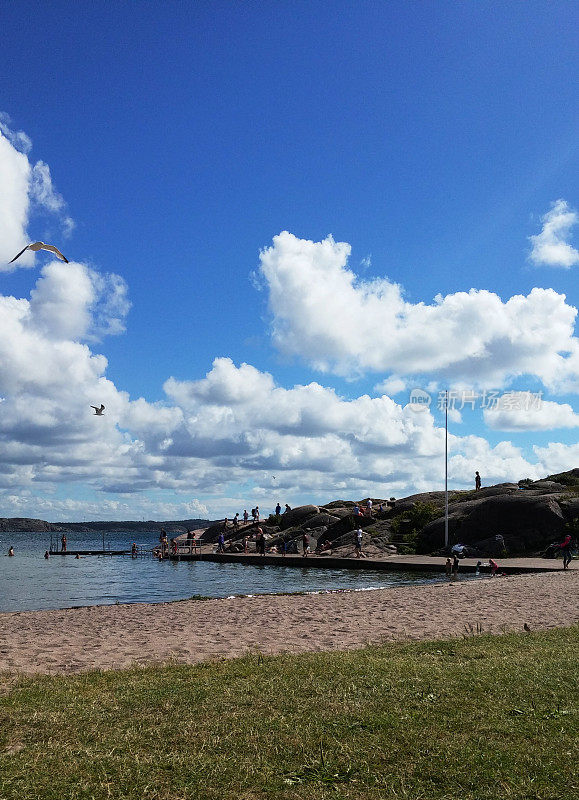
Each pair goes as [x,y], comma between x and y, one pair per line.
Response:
[446,469]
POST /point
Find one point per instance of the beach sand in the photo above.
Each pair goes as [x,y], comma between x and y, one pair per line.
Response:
[189,631]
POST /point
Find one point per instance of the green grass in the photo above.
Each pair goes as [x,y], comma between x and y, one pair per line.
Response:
[476,718]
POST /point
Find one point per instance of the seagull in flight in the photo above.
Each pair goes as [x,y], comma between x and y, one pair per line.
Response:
[98,411]
[36,246]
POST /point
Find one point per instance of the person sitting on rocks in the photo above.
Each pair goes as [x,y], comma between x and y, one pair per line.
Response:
[287,508]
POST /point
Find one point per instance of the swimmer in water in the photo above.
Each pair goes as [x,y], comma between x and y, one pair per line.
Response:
[10,551]
[46,554]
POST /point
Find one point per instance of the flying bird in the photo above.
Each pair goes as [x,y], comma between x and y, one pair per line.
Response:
[98,411]
[36,246]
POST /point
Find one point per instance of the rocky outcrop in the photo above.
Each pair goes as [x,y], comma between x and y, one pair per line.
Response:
[528,521]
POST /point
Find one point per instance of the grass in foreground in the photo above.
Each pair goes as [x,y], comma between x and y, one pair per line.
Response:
[484,717]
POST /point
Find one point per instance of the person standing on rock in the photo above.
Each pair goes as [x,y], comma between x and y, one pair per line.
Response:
[278,510]
[477,483]
[245,517]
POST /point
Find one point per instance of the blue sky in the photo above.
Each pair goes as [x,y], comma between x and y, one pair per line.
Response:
[182,138]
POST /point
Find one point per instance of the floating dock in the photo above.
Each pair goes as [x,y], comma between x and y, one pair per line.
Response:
[89,552]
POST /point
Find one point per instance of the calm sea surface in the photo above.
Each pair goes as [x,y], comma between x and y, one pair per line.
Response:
[29,582]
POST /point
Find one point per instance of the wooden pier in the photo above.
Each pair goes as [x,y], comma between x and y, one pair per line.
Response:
[413,563]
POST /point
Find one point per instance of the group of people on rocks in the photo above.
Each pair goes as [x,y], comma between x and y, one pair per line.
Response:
[255,516]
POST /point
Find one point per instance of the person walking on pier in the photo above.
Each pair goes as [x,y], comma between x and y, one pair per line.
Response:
[306,544]
[221,543]
[63,543]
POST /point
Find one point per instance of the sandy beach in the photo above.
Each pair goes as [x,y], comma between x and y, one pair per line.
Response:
[120,636]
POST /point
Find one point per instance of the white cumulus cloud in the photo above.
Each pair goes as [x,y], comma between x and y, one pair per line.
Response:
[23,186]
[551,247]
[322,312]
[527,411]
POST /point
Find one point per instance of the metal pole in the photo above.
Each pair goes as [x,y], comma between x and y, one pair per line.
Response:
[446,469]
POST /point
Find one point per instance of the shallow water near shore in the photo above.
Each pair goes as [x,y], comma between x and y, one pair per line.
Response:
[28,582]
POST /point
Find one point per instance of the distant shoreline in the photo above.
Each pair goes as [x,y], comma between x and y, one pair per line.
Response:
[31,525]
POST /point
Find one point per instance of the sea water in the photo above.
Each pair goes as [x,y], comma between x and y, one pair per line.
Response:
[28,581]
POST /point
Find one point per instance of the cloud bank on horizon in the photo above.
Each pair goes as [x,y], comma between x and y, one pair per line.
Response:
[222,436]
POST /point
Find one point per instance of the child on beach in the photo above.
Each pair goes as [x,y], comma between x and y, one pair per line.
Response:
[455,567]
[494,567]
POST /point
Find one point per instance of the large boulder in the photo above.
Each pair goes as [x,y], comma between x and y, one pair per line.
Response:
[527,522]
[297,516]
[545,487]
[570,507]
